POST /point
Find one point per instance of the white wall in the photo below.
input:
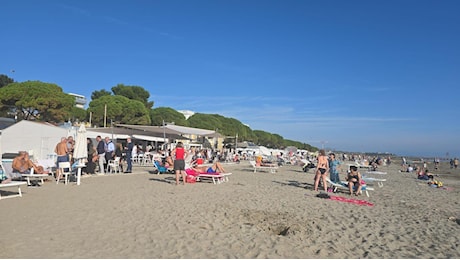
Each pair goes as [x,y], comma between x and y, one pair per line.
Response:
[38,138]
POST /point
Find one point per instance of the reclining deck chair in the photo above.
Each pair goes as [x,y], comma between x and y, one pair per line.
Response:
[344,186]
[159,168]
[272,169]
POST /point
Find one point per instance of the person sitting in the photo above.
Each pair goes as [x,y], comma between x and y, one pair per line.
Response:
[354,180]
[424,174]
[215,168]
[22,165]
[38,169]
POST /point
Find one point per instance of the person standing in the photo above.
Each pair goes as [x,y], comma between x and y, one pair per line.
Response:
[179,155]
[70,147]
[62,152]
[334,166]
[129,153]
[100,148]
[109,151]
[92,157]
[321,170]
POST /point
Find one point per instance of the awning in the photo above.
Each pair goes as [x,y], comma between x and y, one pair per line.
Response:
[149,138]
[136,130]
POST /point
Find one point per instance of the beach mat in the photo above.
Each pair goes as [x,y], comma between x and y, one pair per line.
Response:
[325,195]
[351,200]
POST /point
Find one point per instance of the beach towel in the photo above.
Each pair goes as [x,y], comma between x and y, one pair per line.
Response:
[191,172]
[351,200]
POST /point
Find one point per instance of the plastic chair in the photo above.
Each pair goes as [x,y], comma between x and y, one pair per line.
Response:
[63,166]
[113,166]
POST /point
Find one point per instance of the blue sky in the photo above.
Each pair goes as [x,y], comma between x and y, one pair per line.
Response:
[379,76]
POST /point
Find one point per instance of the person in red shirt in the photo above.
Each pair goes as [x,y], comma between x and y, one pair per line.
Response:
[179,154]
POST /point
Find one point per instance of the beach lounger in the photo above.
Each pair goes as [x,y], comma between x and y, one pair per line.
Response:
[375,172]
[12,184]
[217,178]
[272,169]
[344,185]
[359,165]
[371,179]
[161,169]
[33,175]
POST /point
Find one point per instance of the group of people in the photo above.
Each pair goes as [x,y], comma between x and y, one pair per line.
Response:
[331,165]
[22,164]
[196,159]
[106,150]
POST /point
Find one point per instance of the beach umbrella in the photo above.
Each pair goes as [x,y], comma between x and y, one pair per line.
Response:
[80,150]
[291,149]
[264,151]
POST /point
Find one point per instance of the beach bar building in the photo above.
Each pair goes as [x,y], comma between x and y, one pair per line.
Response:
[37,138]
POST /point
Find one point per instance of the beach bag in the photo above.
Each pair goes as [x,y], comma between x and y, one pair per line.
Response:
[190,179]
[323,196]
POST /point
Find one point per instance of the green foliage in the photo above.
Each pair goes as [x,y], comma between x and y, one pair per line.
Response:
[229,127]
[36,100]
[167,114]
[225,126]
[5,80]
[134,93]
[268,139]
[78,114]
[300,145]
[99,93]
[119,110]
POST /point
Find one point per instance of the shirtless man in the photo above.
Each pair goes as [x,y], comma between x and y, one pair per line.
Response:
[20,166]
[62,152]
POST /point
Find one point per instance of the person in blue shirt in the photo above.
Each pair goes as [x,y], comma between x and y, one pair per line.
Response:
[334,166]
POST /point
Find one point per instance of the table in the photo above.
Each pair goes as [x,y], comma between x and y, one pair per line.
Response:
[79,166]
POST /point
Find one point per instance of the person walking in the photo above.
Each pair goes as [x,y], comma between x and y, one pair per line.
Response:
[129,154]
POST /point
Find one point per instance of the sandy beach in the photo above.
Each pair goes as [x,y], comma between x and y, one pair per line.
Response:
[254,215]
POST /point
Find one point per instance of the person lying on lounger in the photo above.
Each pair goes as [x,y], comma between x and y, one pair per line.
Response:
[215,168]
[354,180]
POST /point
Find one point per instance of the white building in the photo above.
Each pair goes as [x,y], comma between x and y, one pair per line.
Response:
[80,100]
[39,139]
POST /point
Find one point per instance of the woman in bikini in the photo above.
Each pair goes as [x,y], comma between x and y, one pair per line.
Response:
[321,169]
[354,180]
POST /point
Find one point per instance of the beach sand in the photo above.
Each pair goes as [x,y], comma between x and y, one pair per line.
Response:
[254,215]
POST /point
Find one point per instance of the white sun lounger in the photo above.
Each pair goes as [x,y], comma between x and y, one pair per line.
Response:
[272,169]
[344,185]
[371,179]
[375,172]
[216,178]
[12,184]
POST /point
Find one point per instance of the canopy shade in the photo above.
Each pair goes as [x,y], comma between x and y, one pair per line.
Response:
[138,130]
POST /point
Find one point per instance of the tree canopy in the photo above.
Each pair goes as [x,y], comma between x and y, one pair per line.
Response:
[121,110]
[134,93]
[169,115]
[36,100]
[99,93]
[5,80]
